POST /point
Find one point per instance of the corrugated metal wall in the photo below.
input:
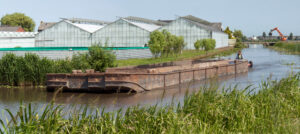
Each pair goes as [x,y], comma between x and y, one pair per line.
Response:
[120,54]
[16,39]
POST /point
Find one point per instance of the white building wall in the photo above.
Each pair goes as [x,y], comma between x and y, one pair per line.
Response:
[221,39]
[16,39]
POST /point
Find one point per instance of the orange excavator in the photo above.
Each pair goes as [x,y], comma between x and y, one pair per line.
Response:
[282,38]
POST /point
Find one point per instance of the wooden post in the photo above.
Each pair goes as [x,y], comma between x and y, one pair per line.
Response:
[235,68]
[193,75]
[205,73]
[179,77]
[164,81]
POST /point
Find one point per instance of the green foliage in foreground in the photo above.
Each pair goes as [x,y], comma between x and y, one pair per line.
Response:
[32,69]
[274,109]
[291,47]
[186,54]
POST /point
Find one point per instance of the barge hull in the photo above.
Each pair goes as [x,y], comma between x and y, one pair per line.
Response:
[142,79]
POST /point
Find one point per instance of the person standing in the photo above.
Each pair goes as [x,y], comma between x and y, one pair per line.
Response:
[239,56]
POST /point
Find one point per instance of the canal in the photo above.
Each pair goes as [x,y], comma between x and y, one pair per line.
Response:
[268,64]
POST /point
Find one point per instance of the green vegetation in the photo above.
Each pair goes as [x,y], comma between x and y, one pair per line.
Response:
[291,36]
[290,47]
[18,19]
[205,44]
[275,108]
[239,44]
[264,35]
[165,44]
[238,34]
[32,70]
[229,32]
[186,54]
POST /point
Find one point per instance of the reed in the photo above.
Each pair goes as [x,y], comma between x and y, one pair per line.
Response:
[275,108]
[290,47]
[32,69]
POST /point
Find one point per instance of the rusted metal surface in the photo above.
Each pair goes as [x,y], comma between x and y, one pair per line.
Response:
[145,78]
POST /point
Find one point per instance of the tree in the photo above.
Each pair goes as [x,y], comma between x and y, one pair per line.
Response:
[179,45]
[197,44]
[164,43]
[238,34]
[18,19]
[264,35]
[291,36]
[157,43]
[100,59]
[229,32]
[205,44]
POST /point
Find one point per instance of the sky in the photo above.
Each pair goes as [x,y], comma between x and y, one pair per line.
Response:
[251,16]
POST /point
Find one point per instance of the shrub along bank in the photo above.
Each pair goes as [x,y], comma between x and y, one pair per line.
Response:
[164,44]
[32,69]
[205,44]
[275,108]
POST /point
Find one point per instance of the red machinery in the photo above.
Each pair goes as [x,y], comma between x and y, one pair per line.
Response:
[281,35]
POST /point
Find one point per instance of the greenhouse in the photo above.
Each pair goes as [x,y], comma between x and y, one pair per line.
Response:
[126,32]
[67,34]
[193,29]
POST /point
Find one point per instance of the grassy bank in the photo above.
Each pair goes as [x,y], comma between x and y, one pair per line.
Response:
[288,47]
[186,54]
[274,109]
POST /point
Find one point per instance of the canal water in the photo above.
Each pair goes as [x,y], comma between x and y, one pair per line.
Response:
[268,64]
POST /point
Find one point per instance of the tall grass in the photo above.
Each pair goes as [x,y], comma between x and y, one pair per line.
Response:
[32,69]
[274,109]
[291,47]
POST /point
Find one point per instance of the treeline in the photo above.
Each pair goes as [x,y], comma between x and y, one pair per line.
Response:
[32,69]
[164,44]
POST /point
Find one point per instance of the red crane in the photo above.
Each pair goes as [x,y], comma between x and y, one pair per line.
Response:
[282,38]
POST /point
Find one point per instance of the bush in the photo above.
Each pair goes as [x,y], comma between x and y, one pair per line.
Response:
[80,61]
[100,59]
[197,44]
[239,43]
[205,44]
[156,43]
[165,44]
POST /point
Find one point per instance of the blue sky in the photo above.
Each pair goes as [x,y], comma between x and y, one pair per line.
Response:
[251,16]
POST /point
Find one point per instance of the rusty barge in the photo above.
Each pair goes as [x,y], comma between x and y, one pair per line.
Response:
[145,77]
